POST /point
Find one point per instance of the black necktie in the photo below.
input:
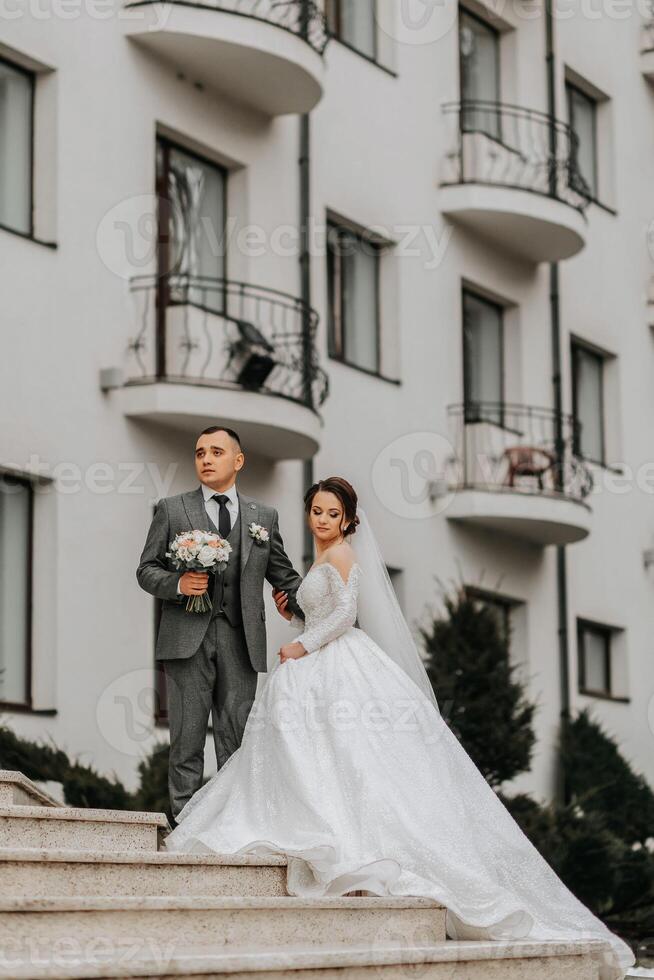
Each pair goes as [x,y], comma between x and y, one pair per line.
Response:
[224,521]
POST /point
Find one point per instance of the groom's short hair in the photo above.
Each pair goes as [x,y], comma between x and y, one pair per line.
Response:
[222,428]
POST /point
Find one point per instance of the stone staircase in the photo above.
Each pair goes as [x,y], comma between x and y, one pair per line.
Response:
[89,893]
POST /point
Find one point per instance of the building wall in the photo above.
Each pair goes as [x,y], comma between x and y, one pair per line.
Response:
[378,140]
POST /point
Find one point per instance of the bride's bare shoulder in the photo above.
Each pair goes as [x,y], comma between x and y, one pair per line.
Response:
[342,556]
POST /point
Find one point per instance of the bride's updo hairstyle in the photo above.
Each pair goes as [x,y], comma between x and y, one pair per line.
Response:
[345,493]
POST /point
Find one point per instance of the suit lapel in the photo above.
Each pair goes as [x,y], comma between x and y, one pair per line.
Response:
[199,519]
[248,513]
[195,510]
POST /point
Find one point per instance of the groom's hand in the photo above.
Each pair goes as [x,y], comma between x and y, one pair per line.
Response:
[194,583]
[281,601]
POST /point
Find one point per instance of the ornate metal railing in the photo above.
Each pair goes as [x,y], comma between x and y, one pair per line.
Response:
[508,146]
[505,447]
[226,334]
[301,17]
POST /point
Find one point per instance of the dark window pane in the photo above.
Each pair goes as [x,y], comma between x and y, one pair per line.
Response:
[588,377]
[594,659]
[15,571]
[582,112]
[483,358]
[353,293]
[479,52]
[195,190]
[15,148]
[353,21]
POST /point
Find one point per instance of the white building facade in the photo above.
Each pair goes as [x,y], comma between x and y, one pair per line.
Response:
[408,244]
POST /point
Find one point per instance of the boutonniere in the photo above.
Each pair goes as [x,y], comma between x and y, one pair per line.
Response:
[259,533]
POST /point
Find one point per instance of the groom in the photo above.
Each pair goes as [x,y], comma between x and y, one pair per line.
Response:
[211,659]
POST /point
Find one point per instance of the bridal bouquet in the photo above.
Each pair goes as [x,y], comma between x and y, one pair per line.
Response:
[199,551]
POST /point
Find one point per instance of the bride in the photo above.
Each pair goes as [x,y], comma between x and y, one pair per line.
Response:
[347,768]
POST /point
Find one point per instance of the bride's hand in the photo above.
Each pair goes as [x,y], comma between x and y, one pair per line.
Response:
[291,651]
[281,601]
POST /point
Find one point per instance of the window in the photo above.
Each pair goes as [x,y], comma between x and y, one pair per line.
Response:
[483,359]
[479,57]
[15,591]
[354,22]
[588,403]
[16,113]
[396,576]
[594,653]
[500,608]
[353,298]
[582,117]
[192,197]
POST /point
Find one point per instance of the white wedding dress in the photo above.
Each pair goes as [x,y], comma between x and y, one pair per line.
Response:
[348,769]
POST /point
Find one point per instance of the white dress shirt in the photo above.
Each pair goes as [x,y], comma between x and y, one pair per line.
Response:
[212,508]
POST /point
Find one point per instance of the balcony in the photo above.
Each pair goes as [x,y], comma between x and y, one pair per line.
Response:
[505,474]
[266,54]
[511,176]
[214,350]
[647,50]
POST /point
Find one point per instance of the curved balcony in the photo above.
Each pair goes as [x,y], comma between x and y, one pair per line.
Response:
[647,50]
[266,54]
[511,175]
[505,473]
[208,350]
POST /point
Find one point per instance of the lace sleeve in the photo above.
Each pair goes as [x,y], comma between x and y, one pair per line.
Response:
[342,616]
[296,623]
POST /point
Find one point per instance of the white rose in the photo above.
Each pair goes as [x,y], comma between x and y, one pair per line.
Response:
[263,534]
[207,556]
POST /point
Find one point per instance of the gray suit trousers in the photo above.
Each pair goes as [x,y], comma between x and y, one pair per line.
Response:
[218,679]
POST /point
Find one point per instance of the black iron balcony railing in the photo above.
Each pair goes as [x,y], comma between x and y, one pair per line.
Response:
[507,146]
[505,447]
[226,334]
[301,17]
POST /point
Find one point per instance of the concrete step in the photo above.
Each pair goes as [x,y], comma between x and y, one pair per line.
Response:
[196,921]
[520,960]
[40,873]
[15,788]
[81,828]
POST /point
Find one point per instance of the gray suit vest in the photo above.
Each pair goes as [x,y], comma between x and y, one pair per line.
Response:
[227,585]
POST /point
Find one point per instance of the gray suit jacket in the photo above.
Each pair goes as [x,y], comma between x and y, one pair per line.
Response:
[182,632]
